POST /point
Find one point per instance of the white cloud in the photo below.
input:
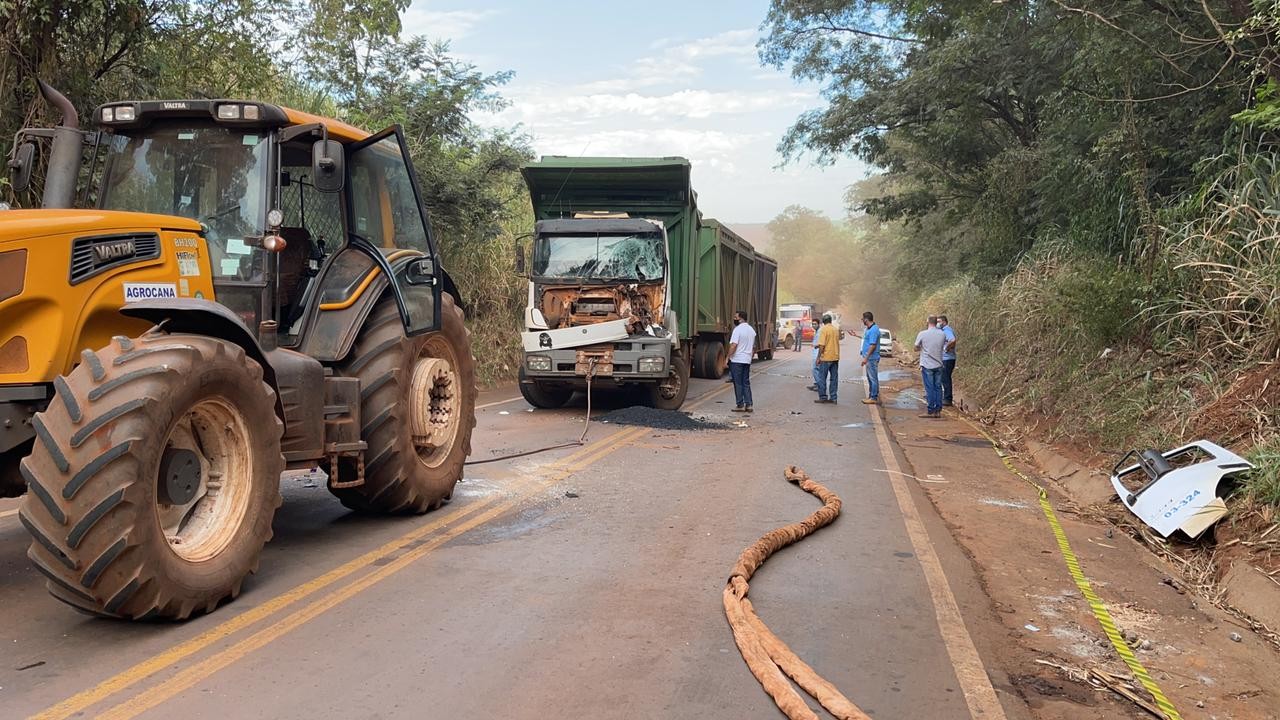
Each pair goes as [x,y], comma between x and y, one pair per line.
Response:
[441,24]
[549,107]
[678,62]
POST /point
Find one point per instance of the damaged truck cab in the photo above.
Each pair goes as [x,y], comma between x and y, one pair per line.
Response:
[629,286]
[599,306]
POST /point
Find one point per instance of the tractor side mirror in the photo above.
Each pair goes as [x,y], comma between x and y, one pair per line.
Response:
[327,167]
[21,165]
[519,259]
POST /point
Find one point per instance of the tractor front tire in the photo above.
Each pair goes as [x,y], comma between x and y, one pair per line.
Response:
[154,477]
[417,410]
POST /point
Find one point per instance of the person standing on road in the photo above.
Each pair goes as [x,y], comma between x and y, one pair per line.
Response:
[797,327]
[948,358]
[828,342]
[930,342]
[816,378]
[742,346]
[871,357]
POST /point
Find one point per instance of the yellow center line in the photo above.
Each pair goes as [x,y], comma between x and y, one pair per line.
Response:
[177,653]
[187,678]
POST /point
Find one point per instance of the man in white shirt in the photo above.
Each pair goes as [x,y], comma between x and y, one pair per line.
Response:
[930,342]
[742,347]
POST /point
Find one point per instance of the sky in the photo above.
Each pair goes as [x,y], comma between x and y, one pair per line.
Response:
[661,77]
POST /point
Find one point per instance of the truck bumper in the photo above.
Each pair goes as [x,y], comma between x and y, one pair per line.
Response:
[568,367]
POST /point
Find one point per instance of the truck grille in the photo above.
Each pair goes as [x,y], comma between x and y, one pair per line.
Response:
[93,255]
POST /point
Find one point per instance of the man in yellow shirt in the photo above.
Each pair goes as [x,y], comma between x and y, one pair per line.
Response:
[828,343]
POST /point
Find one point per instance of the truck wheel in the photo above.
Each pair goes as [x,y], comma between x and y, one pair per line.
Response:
[543,396]
[711,359]
[154,478]
[670,393]
[417,405]
[787,341]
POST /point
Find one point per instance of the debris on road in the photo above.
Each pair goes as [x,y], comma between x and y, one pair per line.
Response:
[659,419]
[1178,489]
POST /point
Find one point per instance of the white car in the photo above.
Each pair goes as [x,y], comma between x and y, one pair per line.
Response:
[886,343]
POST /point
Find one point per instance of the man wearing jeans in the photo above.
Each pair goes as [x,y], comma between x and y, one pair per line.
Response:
[817,378]
[930,343]
[742,346]
[948,358]
[871,357]
[828,342]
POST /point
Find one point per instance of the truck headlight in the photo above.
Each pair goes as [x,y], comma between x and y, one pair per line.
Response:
[651,365]
[538,362]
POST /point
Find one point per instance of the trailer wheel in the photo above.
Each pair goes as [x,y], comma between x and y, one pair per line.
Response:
[417,406]
[710,358]
[670,393]
[766,354]
[155,477]
[543,396]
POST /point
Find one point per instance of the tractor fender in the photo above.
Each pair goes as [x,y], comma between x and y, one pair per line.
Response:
[205,317]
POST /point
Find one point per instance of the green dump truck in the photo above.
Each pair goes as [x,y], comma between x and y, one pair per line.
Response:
[629,284]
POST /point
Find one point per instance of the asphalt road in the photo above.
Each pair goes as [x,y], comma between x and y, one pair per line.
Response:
[580,583]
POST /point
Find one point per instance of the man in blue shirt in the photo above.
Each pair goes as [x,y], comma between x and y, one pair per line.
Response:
[948,358]
[871,357]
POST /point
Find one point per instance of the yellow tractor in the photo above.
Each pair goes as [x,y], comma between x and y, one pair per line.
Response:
[254,290]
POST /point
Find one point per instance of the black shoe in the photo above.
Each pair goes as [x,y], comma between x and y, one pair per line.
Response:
[813,388]
[749,409]
[739,409]
[823,401]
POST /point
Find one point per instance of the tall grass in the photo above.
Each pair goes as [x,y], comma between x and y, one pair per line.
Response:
[1225,267]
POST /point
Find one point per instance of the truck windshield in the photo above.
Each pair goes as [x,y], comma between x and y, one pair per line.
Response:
[793,314]
[599,257]
[217,176]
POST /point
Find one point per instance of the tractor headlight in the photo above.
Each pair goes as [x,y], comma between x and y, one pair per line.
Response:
[651,365]
[541,363]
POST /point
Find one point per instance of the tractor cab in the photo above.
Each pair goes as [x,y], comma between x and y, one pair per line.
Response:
[277,192]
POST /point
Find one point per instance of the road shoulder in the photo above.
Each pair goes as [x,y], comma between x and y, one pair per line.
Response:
[1048,639]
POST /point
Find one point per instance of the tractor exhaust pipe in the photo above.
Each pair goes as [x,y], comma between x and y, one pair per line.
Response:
[66,154]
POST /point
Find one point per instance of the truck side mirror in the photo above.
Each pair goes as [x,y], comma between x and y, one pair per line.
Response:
[327,167]
[520,266]
[21,165]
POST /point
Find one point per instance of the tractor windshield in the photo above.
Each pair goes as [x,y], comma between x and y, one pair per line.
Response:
[217,176]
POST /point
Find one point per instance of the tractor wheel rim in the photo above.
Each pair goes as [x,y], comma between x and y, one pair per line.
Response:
[435,408]
[201,526]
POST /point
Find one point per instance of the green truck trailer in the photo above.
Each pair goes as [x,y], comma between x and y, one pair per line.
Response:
[628,283]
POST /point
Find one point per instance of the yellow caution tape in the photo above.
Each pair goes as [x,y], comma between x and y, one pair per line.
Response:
[1095,603]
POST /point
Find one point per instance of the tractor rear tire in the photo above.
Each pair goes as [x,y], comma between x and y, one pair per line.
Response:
[543,396]
[154,478]
[417,408]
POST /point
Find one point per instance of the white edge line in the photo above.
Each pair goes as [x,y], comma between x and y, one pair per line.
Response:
[979,694]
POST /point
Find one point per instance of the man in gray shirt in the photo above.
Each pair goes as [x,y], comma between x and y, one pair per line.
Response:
[930,342]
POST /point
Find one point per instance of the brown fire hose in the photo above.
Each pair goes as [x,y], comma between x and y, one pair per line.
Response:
[769,659]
